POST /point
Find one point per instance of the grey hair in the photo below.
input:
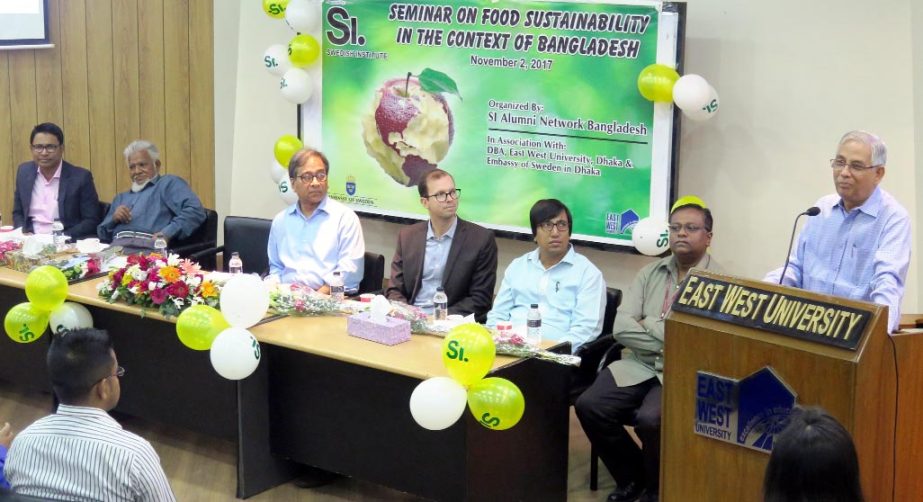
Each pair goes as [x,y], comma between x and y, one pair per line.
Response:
[302,156]
[878,147]
[139,145]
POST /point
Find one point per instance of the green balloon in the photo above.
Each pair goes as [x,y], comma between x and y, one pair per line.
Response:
[46,288]
[656,83]
[286,146]
[24,323]
[198,326]
[303,50]
[468,352]
[496,403]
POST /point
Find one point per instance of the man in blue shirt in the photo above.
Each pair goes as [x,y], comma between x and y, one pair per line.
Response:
[567,287]
[859,245]
[317,236]
[163,205]
[445,251]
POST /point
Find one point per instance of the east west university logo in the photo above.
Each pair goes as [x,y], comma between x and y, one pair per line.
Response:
[621,223]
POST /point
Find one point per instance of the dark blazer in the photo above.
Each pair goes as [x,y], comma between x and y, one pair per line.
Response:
[470,270]
[78,204]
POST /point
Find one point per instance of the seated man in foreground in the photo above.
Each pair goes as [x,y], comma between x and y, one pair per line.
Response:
[628,392]
[859,245]
[568,289]
[316,236]
[80,452]
[445,251]
[162,205]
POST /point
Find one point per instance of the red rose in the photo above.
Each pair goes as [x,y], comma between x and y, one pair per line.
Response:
[178,289]
[117,277]
[158,296]
[93,267]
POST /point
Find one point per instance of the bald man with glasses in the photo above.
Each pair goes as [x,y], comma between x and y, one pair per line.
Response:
[445,251]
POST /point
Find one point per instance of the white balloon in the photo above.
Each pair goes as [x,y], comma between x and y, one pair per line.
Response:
[275,60]
[303,16]
[437,403]
[691,92]
[705,112]
[296,86]
[287,192]
[651,236]
[70,315]
[277,171]
[235,353]
[244,300]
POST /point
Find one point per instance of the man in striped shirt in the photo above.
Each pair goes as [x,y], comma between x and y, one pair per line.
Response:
[80,452]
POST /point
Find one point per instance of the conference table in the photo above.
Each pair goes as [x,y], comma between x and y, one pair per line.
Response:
[322,398]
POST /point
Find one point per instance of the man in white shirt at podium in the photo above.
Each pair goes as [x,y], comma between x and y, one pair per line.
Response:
[628,391]
[858,246]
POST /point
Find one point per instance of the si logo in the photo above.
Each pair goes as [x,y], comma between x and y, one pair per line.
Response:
[489,421]
[663,240]
[256,349]
[456,351]
[25,334]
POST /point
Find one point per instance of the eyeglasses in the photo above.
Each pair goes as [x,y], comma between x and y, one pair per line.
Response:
[548,226]
[47,148]
[840,164]
[444,196]
[690,228]
[307,178]
[119,372]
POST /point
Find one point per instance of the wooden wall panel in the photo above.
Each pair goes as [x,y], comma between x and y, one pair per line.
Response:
[71,43]
[120,70]
[6,144]
[126,71]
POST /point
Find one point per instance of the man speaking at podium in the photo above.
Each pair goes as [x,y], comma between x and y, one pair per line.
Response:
[858,246]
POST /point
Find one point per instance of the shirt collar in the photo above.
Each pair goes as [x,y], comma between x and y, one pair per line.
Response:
[296,208]
[450,233]
[669,263]
[72,410]
[57,172]
[568,257]
[871,206]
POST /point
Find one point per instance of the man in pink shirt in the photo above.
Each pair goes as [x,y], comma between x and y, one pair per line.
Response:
[49,189]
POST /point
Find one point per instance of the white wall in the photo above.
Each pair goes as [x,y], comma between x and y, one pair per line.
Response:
[792,77]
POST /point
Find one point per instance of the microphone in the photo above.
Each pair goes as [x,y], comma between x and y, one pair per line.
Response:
[811,211]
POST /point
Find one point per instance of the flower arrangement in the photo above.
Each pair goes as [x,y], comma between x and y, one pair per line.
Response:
[81,270]
[169,284]
[5,248]
[296,300]
[513,344]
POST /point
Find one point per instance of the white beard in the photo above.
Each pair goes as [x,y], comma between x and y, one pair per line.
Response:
[137,187]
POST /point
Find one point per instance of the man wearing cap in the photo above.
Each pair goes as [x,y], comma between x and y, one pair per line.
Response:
[859,245]
[628,391]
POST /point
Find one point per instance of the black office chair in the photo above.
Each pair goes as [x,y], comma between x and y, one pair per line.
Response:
[374,275]
[595,356]
[246,236]
[204,237]
[103,209]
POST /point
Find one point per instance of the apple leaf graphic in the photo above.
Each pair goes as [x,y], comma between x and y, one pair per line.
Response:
[436,81]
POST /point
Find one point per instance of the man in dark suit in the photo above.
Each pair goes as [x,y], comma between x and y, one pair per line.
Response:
[445,251]
[49,189]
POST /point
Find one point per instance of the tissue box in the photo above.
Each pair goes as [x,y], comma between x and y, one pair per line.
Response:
[391,332]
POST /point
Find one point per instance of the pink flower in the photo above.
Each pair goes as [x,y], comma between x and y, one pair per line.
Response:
[93,267]
[158,296]
[189,267]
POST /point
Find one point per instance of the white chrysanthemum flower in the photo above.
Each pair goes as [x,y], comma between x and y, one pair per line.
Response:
[178,302]
[138,274]
[173,260]
[151,286]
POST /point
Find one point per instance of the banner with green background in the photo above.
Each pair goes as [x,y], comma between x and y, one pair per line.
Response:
[519,101]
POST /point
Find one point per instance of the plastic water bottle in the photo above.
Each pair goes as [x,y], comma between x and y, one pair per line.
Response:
[534,325]
[160,246]
[57,234]
[337,290]
[440,305]
[235,265]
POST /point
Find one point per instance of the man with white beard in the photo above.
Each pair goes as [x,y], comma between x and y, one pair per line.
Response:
[159,204]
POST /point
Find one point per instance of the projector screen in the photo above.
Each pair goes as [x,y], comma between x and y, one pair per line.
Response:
[23,24]
[527,100]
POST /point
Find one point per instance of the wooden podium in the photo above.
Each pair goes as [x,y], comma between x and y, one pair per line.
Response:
[859,387]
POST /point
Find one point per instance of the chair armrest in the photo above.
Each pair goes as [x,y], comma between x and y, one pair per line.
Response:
[204,253]
[190,249]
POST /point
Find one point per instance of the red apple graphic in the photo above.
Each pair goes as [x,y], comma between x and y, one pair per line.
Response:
[409,127]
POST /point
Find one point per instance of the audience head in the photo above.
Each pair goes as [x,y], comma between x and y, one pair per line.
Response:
[47,145]
[308,172]
[143,159]
[813,460]
[858,167]
[551,227]
[83,368]
[438,194]
[690,229]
